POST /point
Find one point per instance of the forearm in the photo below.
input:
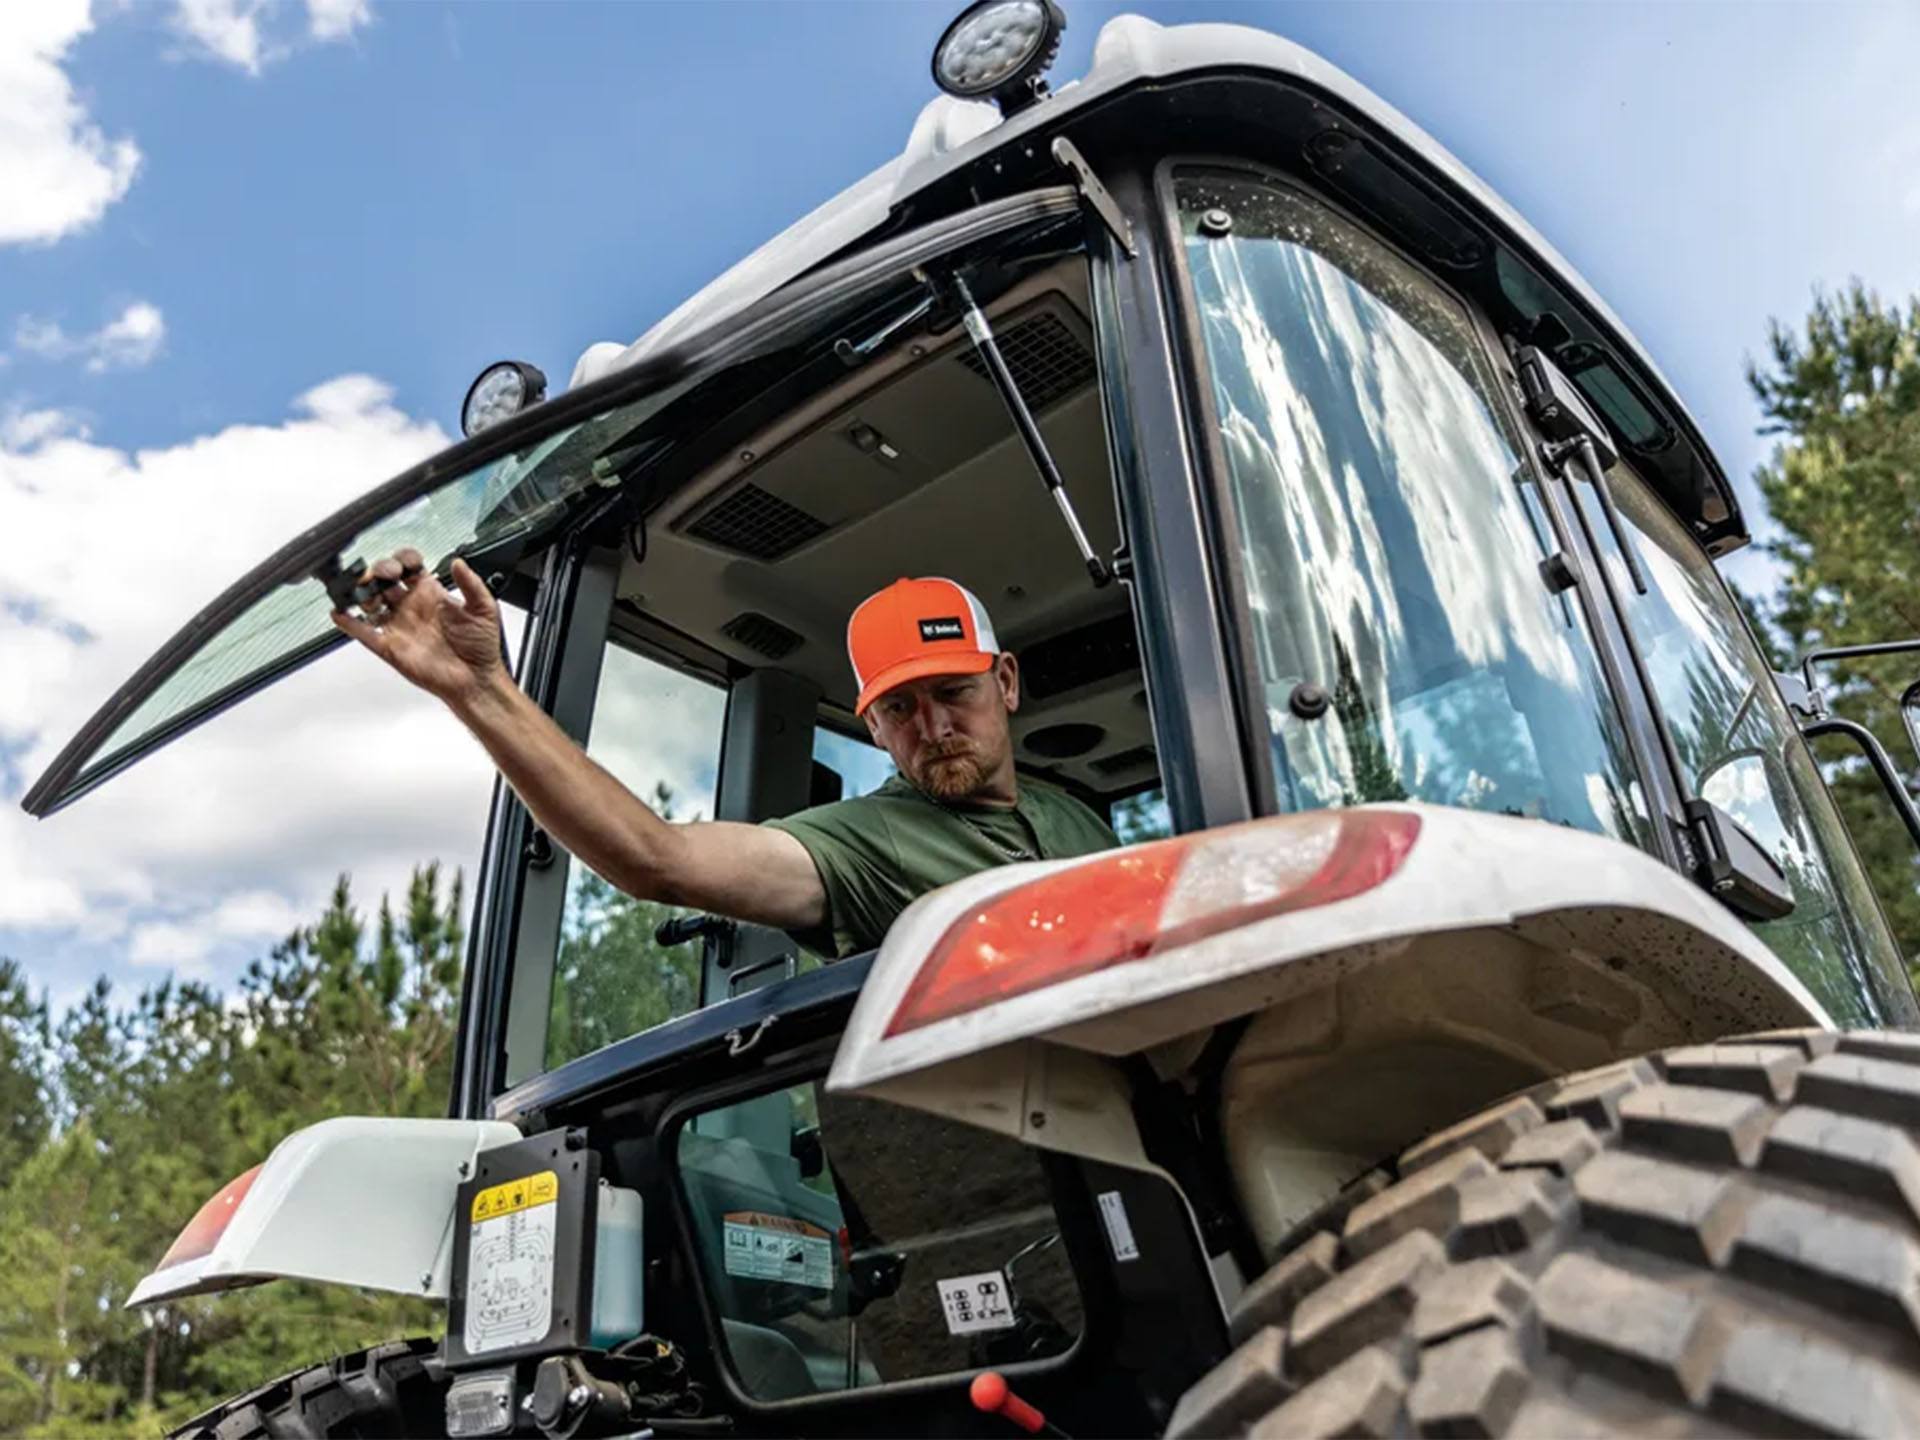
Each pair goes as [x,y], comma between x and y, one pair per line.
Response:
[585,809]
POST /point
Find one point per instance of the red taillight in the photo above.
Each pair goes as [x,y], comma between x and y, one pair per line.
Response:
[209,1223]
[1150,899]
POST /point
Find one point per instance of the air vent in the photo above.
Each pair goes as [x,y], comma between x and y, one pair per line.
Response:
[1079,657]
[1047,362]
[762,635]
[753,522]
[1121,763]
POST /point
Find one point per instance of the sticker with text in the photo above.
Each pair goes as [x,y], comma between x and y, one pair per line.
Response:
[759,1246]
[973,1303]
[1113,1210]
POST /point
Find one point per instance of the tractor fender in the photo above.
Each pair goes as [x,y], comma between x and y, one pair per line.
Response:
[350,1201]
[1562,892]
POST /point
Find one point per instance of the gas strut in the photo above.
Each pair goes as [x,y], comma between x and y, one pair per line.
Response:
[989,348]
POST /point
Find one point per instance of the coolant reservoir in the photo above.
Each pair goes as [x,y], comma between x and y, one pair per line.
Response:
[618,1266]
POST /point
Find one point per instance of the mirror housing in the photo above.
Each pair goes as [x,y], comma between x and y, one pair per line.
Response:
[1741,875]
[1910,715]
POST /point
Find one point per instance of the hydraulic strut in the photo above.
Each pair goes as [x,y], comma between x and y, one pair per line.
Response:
[1023,421]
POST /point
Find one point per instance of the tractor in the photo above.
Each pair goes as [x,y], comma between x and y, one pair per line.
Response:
[1486,1026]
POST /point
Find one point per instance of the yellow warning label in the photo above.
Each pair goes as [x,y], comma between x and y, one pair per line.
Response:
[521,1194]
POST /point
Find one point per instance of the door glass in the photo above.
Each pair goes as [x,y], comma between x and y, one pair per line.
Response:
[657,731]
[1741,750]
[1389,531]
[862,768]
[848,1243]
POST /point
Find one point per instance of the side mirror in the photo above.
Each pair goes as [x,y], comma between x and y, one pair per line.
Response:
[1910,715]
[1734,819]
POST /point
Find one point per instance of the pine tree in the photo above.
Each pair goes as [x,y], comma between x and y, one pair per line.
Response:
[1843,484]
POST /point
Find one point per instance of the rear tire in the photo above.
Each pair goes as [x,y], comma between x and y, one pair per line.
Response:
[1719,1239]
[387,1391]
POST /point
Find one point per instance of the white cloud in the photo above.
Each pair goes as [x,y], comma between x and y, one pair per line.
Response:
[232,835]
[128,341]
[227,30]
[337,19]
[241,33]
[58,171]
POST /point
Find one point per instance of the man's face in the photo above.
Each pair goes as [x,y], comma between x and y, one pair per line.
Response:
[949,733]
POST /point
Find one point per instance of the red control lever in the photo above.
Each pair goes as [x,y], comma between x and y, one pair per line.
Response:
[991,1395]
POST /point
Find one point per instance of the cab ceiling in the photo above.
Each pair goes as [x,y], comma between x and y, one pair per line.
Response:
[763,557]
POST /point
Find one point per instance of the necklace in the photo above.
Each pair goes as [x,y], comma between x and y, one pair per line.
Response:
[1013,854]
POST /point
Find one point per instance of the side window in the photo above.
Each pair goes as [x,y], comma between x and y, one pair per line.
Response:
[1141,816]
[847,1243]
[863,768]
[1742,751]
[657,731]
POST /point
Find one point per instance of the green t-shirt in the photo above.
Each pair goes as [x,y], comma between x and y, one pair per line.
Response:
[878,853]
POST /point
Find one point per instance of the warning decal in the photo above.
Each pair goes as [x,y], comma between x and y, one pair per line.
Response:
[972,1303]
[521,1194]
[1113,1210]
[760,1246]
[510,1257]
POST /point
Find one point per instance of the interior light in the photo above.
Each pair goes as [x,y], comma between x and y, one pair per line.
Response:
[501,391]
[1000,49]
[1148,899]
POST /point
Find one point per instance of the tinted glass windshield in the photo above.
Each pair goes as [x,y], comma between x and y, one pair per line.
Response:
[1390,535]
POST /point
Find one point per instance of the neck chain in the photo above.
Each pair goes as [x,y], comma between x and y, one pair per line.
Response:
[1013,854]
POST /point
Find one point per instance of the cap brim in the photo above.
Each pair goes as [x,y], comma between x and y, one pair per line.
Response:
[961,662]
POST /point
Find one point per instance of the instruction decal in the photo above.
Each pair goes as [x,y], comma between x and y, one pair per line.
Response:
[510,1258]
[759,1246]
[972,1303]
[1113,1210]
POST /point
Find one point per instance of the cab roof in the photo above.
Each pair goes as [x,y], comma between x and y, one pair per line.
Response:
[952,135]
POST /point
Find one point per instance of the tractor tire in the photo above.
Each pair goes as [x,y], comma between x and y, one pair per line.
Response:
[386,1392]
[1716,1240]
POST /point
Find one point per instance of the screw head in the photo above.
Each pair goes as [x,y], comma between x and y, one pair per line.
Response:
[1216,221]
[1308,700]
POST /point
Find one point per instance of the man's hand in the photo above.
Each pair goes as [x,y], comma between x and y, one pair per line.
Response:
[447,644]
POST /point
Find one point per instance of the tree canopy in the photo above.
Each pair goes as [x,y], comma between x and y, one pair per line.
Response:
[1842,391]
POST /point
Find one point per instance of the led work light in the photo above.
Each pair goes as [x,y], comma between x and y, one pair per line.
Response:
[502,391]
[1000,50]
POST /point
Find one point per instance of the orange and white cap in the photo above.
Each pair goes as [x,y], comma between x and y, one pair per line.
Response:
[916,628]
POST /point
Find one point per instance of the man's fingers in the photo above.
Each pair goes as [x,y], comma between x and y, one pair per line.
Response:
[410,559]
[473,590]
[360,630]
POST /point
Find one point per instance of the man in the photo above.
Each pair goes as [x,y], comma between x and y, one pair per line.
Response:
[935,692]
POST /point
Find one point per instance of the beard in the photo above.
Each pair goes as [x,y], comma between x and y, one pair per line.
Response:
[952,770]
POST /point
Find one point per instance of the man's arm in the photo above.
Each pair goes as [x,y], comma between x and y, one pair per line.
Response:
[450,647]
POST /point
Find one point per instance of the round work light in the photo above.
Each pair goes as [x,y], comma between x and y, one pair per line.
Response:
[502,391]
[1000,49]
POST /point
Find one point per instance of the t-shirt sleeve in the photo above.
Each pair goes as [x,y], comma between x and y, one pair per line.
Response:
[852,849]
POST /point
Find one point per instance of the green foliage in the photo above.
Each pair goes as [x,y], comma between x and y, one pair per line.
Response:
[1844,486]
[122,1119]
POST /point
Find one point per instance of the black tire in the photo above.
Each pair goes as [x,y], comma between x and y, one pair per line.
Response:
[386,1392]
[1720,1239]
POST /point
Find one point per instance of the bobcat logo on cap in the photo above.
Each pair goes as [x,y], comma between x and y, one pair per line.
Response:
[914,629]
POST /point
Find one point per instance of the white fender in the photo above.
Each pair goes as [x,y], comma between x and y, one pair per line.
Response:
[1562,888]
[352,1201]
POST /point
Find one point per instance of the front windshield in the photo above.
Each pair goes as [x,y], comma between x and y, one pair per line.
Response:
[1390,537]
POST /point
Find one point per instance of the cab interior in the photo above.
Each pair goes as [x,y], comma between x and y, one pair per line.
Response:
[909,466]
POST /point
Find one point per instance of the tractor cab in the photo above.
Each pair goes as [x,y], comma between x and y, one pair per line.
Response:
[1304,480]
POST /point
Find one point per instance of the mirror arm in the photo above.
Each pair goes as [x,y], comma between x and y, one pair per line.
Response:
[1877,757]
[1848,652]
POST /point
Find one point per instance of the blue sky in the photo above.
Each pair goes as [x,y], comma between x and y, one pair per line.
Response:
[341,209]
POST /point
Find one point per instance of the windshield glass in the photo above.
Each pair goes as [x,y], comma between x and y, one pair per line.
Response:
[1389,533]
[518,495]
